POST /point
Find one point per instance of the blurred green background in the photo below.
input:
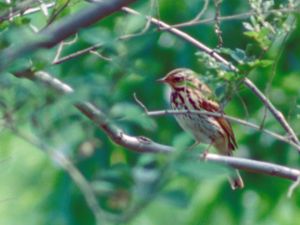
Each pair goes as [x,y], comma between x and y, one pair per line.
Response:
[132,188]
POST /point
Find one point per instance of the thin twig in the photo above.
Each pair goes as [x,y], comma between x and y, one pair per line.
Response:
[216,114]
[61,46]
[146,26]
[276,113]
[218,30]
[57,12]
[76,54]
[96,53]
[293,187]
[260,167]
[44,8]
[238,16]
[196,19]
[273,70]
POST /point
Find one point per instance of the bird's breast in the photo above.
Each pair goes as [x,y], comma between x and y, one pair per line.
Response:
[204,128]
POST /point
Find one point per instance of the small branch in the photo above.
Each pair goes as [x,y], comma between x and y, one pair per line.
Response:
[256,166]
[145,28]
[201,13]
[276,113]
[238,16]
[145,145]
[96,53]
[216,114]
[76,54]
[44,8]
[57,12]
[82,184]
[293,187]
[196,19]
[218,30]
[61,46]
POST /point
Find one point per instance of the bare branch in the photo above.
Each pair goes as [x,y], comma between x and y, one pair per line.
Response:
[256,166]
[293,187]
[81,183]
[196,19]
[145,28]
[238,16]
[44,8]
[61,47]
[57,12]
[76,54]
[218,30]
[216,114]
[96,53]
[276,113]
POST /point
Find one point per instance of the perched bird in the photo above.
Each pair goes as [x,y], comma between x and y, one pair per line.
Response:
[190,93]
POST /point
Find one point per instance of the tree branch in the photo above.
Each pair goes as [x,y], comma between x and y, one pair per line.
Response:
[276,113]
[145,145]
[217,114]
[256,166]
[63,29]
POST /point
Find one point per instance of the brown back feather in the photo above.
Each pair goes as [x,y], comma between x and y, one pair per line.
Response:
[212,106]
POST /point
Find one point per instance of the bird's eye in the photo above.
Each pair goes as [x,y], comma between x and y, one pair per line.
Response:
[178,79]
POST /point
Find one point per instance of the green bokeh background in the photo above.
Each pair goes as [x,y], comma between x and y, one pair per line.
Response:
[177,189]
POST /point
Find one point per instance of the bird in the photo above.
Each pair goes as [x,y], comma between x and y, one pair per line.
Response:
[189,92]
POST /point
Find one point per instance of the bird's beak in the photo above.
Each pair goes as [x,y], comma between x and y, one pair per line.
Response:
[161,80]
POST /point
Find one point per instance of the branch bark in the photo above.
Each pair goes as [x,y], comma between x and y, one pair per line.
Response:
[215,114]
[276,113]
[145,145]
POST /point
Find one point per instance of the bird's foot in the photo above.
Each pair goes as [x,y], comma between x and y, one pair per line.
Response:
[204,155]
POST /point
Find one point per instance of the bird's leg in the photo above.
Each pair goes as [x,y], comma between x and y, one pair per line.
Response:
[193,145]
[204,155]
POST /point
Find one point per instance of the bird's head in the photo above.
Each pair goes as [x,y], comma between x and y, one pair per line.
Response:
[184,78]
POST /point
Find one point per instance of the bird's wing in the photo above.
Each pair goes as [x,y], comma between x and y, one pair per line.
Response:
[212,106]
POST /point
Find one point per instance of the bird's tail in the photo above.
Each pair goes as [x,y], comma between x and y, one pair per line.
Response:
[236,180]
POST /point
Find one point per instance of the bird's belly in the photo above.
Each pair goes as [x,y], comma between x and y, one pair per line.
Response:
[203,128]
